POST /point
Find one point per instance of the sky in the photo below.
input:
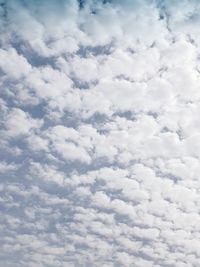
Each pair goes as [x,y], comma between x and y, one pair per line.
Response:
[99,133]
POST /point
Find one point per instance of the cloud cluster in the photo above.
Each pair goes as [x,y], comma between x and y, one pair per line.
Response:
[100,135]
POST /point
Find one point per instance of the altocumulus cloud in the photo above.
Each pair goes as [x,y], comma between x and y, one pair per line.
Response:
[100,133]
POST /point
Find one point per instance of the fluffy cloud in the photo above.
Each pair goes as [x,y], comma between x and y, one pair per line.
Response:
[99,136]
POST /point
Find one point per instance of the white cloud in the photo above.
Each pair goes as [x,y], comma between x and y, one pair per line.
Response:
[13,65]
[18,122]
[7,167]
[100,137]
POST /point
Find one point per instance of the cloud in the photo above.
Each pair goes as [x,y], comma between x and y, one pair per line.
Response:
[99,133]
[13,65]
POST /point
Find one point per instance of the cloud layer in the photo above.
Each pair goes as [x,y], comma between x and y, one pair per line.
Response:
[100,135]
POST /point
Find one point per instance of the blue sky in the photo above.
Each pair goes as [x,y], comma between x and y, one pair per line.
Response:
[99,133]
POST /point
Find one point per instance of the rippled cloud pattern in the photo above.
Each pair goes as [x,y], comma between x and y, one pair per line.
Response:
[99,133]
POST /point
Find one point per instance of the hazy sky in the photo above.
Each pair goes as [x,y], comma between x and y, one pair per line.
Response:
[100,133]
